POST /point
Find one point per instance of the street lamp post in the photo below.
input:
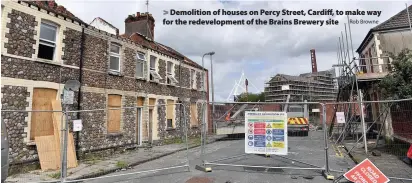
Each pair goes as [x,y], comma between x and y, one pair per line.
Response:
[203,139]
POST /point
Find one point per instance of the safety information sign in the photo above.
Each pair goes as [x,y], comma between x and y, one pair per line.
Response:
[266,133]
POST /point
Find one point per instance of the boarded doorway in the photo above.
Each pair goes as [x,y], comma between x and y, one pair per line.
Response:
[42,122]
[114,115]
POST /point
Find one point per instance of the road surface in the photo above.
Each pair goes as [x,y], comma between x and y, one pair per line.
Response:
[308,149]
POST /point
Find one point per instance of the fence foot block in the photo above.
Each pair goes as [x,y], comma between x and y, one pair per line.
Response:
[328,176]
[203,168]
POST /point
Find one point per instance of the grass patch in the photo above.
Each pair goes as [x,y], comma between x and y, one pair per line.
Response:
[175,140]
[196,141]
[121,164]
[92,159]
[25,168]
[55,175]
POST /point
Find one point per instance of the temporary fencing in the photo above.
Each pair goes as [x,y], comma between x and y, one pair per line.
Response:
[58,139]
[378,130]
[268,144]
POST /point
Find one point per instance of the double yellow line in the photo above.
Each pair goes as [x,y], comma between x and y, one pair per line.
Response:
[337,151]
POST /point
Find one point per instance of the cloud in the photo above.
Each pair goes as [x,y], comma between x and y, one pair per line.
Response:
[261,51]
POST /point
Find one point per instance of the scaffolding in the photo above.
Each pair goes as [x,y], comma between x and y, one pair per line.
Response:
[314,87]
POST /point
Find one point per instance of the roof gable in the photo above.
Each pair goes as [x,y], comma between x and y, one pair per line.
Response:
[398,21]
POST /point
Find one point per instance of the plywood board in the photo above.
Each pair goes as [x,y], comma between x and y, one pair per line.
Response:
[140,101]
[113,123]
[115,100]
[57,119]
[193,114]
[71,152]
[47,152]
[42,122]
[152,102]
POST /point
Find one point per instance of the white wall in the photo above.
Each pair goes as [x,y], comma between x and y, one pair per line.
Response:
[99,24]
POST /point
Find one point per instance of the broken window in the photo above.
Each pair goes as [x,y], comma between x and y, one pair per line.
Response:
[47,41]
[169,114]
[170,76]
[140,64]
[152,63]
[114,58]
[154,76]
[192,79]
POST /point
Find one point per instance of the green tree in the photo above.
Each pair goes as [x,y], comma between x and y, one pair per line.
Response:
[252,97]
[398,83]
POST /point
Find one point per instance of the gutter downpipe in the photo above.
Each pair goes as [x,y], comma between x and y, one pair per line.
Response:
[80,93]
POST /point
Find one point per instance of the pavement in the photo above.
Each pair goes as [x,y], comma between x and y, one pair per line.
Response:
[100,166]
[389,162]
[301,149]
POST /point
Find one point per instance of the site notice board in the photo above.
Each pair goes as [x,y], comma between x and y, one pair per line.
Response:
[266,133]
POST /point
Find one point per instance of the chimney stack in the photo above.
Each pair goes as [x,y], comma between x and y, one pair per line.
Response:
[313,60]
[142,23]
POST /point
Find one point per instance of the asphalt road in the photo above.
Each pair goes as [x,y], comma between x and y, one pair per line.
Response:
[308,149]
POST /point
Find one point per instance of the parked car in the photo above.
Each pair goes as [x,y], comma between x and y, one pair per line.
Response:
[4,152]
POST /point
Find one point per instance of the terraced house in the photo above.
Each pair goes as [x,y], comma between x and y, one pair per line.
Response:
[44,45]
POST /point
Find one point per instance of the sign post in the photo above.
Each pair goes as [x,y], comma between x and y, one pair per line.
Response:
[266,133]
[366,172]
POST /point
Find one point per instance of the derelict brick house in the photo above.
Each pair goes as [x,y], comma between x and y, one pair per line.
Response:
[44,45]
[391,36]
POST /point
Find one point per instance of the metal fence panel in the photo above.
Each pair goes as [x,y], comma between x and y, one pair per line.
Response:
[135,130]
[387,128]
[229,119]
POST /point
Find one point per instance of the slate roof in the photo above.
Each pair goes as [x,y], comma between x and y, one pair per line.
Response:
[398,21]
[52,6]
[320,73]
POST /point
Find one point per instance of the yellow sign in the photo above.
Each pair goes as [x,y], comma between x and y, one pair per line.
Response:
[278,125]
[278,144]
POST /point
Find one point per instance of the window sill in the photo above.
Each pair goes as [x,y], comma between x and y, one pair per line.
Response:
[52,62]
[31,143]
[140,78]
[170,129]
[114,134]
[153,81]
[194,126]
[115,73]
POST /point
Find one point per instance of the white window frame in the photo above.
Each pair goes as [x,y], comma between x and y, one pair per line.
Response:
[153,71]
[46,42]
[170,75]
[118,55]
[140,59]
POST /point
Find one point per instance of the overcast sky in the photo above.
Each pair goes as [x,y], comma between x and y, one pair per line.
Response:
[259,51]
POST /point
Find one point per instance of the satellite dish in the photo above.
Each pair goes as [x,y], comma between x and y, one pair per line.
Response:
[72,85]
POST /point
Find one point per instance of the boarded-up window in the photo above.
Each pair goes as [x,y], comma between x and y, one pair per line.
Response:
[113,122]
[42,122]
[152,102]
[169,114]
[193,115]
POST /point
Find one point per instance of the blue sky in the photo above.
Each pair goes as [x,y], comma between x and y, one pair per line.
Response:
[259,51]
